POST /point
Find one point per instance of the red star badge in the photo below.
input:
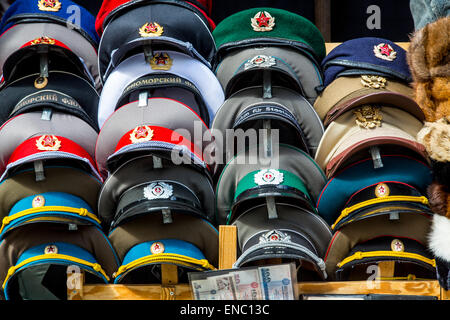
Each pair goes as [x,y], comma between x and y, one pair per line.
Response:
[263,20]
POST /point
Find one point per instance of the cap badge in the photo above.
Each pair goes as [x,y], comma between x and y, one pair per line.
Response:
[38,201]
[48,143]
[263,21]
[268,176]
[261,61]
[51,249]
[397,245]
[141,134]
[40,82]
[374,82]
[49,5]
[384,51]
[161,61]
[368,117]
[157,247]
[151,29]
[158,190]
[381,190]
[42,40]
[274,235]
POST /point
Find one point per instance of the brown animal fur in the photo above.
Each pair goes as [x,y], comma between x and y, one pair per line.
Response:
[439,199]
[429,61]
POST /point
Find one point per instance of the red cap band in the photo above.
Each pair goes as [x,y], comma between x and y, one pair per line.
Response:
[145,133]
[49,143]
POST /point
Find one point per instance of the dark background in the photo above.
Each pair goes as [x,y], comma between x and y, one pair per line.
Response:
[348,17]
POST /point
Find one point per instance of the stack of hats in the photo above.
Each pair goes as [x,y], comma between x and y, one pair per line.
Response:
[49,182]
[429,61]
[375,198]
[268,63]
[159,97]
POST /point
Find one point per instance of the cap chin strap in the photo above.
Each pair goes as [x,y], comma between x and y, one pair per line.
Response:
[349,210]
[373,254]
[318,261]
[95,266]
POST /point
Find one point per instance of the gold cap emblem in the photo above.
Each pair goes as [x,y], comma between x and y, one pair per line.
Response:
[397,245]
[40,82]
[161,61]
[48,143]
[384,51]
[38,201]
[51,249]
[49,5]
[381,190]
[157,247]
[141,134]
[374,82]
[368,117]
[151,29]
[42,40]
[263,21]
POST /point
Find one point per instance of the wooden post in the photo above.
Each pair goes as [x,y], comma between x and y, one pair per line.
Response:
[322,15]
[386,269]
[227,246]
[169,280]
[75,285]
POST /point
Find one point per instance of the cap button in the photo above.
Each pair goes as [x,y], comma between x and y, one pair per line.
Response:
[11,271]
[6,220]
[97,267]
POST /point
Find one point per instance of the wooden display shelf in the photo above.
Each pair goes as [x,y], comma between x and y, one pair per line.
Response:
[169,289]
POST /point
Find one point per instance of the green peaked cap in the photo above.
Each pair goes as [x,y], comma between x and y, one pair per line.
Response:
[286,26]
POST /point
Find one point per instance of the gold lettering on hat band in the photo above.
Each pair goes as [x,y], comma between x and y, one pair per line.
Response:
[263,21]
[151,29]
[49,5]
[368,117]
[374,82]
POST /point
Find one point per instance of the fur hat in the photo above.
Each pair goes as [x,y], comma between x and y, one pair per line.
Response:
[435,136]
[429,61]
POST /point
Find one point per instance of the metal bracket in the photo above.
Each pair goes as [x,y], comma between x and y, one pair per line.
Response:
[46,114]
[167,216]
[376,157]
[267,84]
[157,162]
[271,208]
[267,143]
[143,98]
[39,170]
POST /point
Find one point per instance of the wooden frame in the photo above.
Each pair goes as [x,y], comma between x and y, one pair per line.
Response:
[171,290]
